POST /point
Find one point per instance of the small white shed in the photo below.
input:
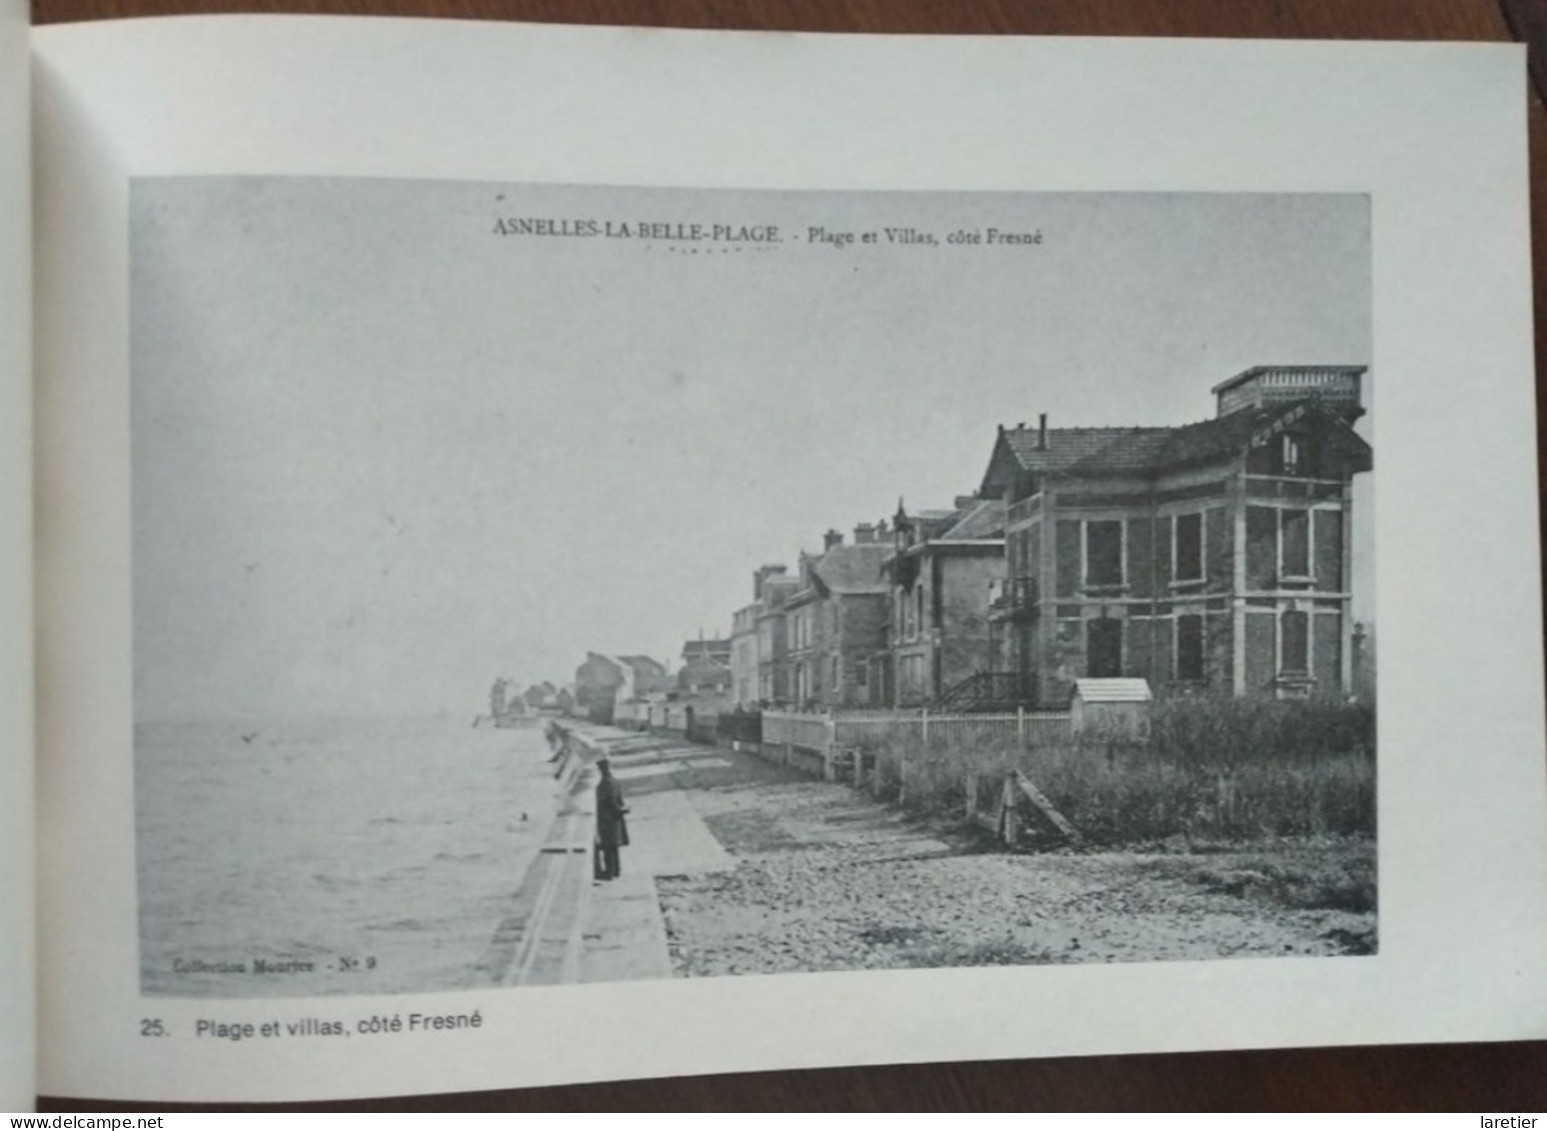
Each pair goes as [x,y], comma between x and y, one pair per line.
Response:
[1115,709]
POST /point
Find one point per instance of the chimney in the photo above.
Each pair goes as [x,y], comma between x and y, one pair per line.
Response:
[965,501]
[1042,433]
[830,539]
[864,534]
[760,578]
[883,532]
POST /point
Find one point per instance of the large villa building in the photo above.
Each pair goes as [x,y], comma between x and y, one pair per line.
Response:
[1210,556]
[1206,558]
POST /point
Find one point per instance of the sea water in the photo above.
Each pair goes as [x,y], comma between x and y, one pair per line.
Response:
[330,856]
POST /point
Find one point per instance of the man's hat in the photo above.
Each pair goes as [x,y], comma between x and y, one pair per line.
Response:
[603,762]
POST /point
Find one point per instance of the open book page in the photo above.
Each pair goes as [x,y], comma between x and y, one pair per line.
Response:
[409,392]
[17,871]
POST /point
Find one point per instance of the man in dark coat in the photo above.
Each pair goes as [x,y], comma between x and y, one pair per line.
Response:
[611,828]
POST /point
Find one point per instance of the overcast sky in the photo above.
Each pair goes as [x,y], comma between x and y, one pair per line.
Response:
[384,453]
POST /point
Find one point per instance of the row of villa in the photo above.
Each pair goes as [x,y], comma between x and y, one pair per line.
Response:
[611,688]
[1211,557]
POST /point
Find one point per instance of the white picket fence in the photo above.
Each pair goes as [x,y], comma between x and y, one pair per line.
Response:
[823,739]
[658,715]
[642,715]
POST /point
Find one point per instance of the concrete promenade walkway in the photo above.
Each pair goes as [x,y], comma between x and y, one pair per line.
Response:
[615,928]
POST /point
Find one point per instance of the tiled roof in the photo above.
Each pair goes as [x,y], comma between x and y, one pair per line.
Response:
[926,524]
[982,521]
[853,569]
[1065,446]
[1155,449]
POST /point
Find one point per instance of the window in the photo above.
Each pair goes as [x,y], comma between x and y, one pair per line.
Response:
[1294,643]
[1024,561]
[918,610]
[1189,647]
[1103,553]
[1291,456]
[1188,547]
[861,674]
[1104,648]
[1295,543]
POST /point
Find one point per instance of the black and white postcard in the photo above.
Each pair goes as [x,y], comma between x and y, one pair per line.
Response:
[783,551]
[842,529]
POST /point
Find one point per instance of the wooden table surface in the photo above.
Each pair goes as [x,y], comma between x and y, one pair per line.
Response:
[1501,1078]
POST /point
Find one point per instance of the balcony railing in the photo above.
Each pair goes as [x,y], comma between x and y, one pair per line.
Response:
[988,691]
[1017,597]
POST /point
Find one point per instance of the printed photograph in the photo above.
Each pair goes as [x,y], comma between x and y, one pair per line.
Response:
[542,584]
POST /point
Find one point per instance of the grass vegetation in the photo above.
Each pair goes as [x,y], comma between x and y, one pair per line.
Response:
[1212,770]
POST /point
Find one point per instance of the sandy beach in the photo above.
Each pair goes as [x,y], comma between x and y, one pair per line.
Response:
[814,875]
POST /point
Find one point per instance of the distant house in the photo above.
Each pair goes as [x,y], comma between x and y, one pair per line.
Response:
[706,668]
[604,680]
[507,706]
[744,655]
[836,622]
[647,676]
[773,637]
[1214,555]
[944,570]
[758,639]
[540,695]
[597,681]
[498,694]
